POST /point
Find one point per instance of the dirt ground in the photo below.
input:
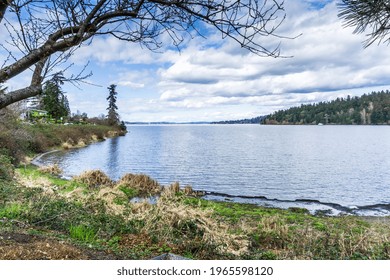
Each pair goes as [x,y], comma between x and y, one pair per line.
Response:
[21,246]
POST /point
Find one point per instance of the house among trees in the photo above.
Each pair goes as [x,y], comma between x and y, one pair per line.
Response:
[37,115]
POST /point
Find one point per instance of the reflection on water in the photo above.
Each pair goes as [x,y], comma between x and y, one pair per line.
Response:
[343,165]
[112,158]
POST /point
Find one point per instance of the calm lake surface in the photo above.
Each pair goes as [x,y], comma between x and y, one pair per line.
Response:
[338,169]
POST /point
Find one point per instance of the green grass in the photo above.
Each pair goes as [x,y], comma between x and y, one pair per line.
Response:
[12,210]
[63,185]
[82,233]
[129,192]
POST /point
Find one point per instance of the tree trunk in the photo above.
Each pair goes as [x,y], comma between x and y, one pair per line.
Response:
[34,89]
[3,7]
[19,95]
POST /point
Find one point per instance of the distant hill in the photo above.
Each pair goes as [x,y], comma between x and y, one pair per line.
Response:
[255,120]
[371,108]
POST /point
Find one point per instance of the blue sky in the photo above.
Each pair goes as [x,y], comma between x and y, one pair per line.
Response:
[212,80]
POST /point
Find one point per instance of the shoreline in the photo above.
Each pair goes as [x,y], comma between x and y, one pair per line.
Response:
[313,206]
[333,210]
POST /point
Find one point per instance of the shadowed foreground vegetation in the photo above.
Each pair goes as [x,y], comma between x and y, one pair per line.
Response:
[90,217]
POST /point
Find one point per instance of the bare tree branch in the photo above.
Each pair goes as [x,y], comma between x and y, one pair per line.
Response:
[51,27]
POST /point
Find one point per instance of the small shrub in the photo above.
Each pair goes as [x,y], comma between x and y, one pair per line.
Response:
[51,169]
[6,167]
[143,184]
[94,179]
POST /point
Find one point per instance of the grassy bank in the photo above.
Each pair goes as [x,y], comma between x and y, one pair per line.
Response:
[18,139]
[93,213]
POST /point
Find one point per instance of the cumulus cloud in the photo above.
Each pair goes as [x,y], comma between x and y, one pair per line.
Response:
[130,84]
[109,49]
[327,61]
[215,80]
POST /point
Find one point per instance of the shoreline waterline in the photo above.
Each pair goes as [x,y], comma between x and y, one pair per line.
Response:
[270,174]
[315,207]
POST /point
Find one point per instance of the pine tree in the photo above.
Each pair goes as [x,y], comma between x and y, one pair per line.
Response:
[112,116]
[54,101]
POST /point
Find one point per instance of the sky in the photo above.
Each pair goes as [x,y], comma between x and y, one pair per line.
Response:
[211,79]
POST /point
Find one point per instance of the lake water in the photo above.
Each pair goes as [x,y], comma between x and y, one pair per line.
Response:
[338,169]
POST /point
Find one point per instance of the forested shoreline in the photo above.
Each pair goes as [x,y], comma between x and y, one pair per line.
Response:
[373,108]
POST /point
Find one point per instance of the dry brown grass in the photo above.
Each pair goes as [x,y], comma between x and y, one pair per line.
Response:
[174,188]
[81,143]
[170,219]
[144,184]
[53,169]
[94,179]
[36,182]
[67,146]
[112,133]
[15,246]
[115,200]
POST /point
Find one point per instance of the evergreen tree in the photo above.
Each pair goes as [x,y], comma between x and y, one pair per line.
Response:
[112,116]
[54,101]
[371,108]
[367,16]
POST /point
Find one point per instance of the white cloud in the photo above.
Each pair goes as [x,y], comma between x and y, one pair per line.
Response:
[215,80]
[131,84]
[326,58]
[109,49]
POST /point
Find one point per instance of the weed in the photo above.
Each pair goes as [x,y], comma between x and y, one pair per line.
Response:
[12,211]
[114,241]
[82,233]
[120,200]
[128,191]
[164,248]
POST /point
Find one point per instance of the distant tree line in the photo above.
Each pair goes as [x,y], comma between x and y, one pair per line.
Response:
[255,120]
[371,108]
